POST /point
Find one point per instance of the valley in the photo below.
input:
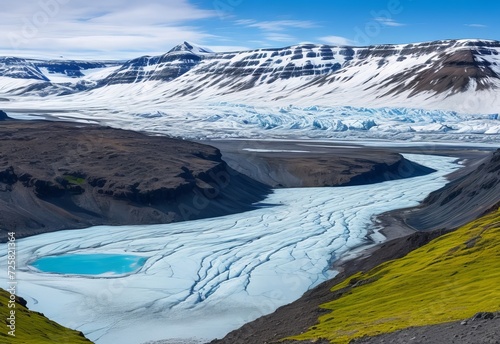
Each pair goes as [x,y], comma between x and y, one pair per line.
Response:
[213,275]
[76,176]
[298,194]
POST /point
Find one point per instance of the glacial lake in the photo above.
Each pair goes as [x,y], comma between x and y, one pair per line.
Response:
[89,264]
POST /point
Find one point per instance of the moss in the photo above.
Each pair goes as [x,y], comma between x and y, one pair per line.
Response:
[448,279]
[74,180]
[34,328]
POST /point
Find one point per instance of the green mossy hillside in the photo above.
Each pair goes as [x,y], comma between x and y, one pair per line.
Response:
[34,328]
[451,278]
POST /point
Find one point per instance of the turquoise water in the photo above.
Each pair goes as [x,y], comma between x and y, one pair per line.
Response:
[89,264]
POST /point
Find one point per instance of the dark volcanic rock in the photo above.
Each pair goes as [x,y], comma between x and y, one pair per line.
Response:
[483,328]
[450,72]
[318,166]
[61,176]
[3,116]
[465,198]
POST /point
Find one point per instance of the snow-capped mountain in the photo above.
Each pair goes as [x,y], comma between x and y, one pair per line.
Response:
[45,77]
[190,47]
[419,74]
[460,78]
[179,60]
[18,68]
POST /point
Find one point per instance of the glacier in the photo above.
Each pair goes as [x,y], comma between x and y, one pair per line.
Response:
[220,120]
[204,278]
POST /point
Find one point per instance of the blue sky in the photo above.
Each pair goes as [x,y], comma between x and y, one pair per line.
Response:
[125,28]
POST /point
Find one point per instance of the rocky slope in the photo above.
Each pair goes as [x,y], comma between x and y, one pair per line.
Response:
[465,198]
[59,175]
[451,278]
[4,116]
[482,328]
[292,164]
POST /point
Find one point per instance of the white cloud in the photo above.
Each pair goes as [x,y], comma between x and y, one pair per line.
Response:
[275,30]
[480,26]
[277,25]
[388,22]
[337,40]
[123,28]
[244,22]
[140,13]
[227,48]
[279,37]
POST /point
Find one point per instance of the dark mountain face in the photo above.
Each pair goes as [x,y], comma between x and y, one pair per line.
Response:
[438,67]
[188,47]
[72,69]
[18,68]
[469,197]
[3,116]
[164,68]
[449,72]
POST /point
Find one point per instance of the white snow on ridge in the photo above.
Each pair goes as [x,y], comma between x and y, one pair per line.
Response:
[191,47]
[309,91]
[96,74]
[9,86]
[57,77]
[359,82]
[204,278]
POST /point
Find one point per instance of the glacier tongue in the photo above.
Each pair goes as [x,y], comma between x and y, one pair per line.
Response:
[207,277]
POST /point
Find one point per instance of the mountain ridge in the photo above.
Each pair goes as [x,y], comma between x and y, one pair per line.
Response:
[445,90]
[469,61]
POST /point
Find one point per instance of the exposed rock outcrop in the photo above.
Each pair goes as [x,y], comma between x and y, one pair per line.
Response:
[465,198]
[60,176]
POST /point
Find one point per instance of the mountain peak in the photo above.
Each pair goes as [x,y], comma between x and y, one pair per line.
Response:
[190,47]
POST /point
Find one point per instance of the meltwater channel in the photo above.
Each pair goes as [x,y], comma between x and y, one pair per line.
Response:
[201,279]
